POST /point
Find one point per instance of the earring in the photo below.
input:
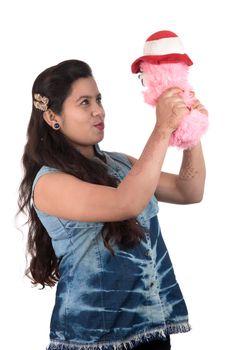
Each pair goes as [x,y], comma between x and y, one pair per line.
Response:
[56,126]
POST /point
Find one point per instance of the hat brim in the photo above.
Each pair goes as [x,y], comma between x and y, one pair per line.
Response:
[170,58]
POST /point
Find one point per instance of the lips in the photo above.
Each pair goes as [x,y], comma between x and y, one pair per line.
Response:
[100,126]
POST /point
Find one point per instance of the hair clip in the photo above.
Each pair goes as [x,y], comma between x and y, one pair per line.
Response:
[41,102]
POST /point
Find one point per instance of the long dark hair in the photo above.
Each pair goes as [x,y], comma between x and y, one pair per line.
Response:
[45,146]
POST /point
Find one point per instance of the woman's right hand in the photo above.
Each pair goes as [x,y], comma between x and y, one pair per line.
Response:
[170,109]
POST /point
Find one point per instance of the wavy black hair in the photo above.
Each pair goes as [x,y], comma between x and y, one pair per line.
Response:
[45,146]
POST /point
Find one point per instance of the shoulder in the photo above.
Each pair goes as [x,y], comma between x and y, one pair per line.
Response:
[42,171]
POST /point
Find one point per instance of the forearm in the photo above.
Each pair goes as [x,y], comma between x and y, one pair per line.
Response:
[191,178]
[139,185]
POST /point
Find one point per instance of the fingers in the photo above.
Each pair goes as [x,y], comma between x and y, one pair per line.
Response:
[180,108]
[200,107]
[172,99]
[171,92]
[173,95]
[195,103]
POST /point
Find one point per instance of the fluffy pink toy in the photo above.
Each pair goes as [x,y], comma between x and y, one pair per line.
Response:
[164,65]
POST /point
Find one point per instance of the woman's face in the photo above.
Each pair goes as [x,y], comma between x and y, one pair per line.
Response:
[82,117]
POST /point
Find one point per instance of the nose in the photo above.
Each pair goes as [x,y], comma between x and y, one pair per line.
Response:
[98,111]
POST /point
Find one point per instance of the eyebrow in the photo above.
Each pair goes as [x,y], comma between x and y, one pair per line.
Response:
[88,97]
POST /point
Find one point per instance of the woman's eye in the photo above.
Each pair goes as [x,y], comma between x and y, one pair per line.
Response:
[85,102]
[99,100]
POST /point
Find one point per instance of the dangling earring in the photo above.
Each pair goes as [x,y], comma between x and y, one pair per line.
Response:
[56,126]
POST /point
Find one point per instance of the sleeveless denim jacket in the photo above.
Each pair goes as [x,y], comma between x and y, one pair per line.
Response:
[106,302]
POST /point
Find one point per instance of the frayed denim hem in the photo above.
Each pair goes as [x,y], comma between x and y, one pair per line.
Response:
[126,344]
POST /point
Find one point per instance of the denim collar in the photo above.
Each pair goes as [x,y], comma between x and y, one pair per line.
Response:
[106,157]
[98,150]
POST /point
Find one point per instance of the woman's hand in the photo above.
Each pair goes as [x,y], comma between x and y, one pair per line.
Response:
[200,107]
[170,109]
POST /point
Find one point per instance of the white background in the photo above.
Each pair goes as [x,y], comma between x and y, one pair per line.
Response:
[110,35]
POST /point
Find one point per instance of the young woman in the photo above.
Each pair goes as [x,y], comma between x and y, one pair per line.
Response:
[93,225]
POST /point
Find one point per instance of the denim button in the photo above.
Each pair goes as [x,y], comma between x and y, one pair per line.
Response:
[147,253]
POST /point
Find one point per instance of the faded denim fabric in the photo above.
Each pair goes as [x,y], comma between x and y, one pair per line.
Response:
[112,302]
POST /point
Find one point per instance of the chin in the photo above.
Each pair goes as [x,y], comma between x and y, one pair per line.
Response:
[100,138]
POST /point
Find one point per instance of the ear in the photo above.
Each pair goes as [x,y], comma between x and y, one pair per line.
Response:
[50,117]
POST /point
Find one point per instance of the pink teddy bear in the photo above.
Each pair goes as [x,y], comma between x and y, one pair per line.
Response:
[165,65]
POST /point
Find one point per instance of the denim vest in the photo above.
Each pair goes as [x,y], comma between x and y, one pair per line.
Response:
[106,302]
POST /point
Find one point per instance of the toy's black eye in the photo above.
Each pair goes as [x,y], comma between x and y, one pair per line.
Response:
[140,76]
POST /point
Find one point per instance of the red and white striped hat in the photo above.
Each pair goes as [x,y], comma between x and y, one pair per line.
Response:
[162,47]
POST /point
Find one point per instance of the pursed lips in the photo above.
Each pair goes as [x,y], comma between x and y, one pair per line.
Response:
[100,125]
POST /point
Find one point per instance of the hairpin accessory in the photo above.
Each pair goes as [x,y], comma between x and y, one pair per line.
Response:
[41,102]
